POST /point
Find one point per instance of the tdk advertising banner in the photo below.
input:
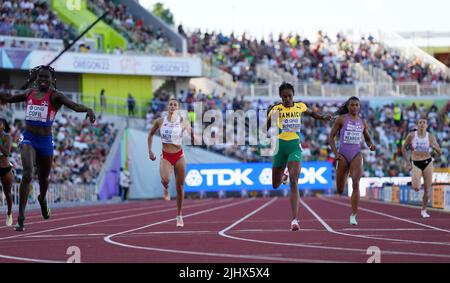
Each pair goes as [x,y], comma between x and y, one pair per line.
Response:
[252,176]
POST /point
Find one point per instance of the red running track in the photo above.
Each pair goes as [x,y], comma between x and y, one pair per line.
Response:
[230,231]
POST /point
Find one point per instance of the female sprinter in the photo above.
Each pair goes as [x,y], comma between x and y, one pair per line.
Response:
[421,142]
[351,129]
[172,128]
[289,152]
[42,102]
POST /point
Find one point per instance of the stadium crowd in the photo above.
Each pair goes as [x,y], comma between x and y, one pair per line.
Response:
[141,37]
[32,18]
[325,60]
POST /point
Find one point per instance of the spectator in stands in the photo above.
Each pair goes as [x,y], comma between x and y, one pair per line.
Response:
[82,48]
[131,104]
[102,100]
[124,184]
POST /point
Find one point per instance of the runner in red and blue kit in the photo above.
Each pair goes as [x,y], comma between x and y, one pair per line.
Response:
[42,102]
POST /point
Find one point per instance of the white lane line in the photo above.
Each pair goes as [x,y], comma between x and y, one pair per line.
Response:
[331,230]
[19,235]
[91,212]
[85,215]
[176,251]
[65,235]
[384,229]
[305,245]
[78,225]
[387,215]
[171,232]
[30,259]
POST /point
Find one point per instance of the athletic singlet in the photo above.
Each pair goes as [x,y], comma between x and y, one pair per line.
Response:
[172,132]
[351,137]
[352,131]
[40,112]
[420,144]
[289,120]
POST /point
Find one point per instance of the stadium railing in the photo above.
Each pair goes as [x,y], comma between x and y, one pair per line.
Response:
[118,106]
[408,89]
[57,194]
[32,43]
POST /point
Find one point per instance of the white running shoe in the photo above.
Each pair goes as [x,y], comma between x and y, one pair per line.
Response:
[9,220]
[166,195]
[353,219]
[180,222]
[294,225]
[424,213]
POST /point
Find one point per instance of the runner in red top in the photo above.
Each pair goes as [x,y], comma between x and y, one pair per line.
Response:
[172,128]
[42,102]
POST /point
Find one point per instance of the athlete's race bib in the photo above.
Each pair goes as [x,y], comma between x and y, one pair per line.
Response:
[421,146]
[172,135]
[291,124]
[351,137]
[36,113]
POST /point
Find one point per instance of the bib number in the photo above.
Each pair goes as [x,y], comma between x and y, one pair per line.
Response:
[352,137]
[291,125]
[36,113]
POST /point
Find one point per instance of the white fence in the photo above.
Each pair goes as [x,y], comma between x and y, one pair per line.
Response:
[117,106]
[56,194]
[409,89]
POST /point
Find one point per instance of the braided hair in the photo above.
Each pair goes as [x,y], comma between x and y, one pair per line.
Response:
[32,76]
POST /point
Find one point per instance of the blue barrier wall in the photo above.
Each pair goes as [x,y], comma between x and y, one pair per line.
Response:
[252,176]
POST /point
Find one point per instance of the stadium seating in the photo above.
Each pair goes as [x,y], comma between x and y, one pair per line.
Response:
[326,60]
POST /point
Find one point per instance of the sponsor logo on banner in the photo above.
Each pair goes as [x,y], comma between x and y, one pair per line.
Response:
[447,198]
[415,197]
[395,194]
[114,64]
[252,176]
[89,63]
[166,67]
[438,197]
[440,175]
[387,194]
[265,177]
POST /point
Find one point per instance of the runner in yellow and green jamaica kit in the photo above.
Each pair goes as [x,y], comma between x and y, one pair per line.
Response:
[289,151]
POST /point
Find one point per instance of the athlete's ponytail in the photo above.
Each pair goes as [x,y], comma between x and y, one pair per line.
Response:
[343,109]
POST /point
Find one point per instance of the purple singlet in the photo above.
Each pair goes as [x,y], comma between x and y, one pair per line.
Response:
[351,136]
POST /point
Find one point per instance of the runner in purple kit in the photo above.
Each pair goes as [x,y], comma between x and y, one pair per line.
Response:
[351,129]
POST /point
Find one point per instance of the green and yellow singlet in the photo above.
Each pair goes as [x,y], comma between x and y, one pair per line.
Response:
[289,120]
